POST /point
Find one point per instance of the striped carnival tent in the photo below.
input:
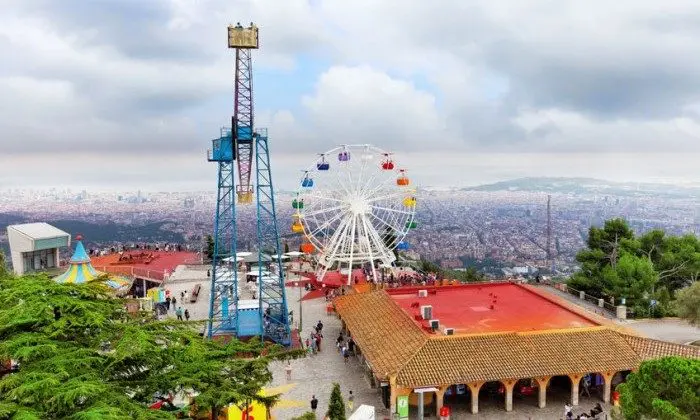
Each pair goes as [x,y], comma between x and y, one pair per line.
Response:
[82,271]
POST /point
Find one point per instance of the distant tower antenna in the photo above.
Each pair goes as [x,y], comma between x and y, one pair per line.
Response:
[549,232]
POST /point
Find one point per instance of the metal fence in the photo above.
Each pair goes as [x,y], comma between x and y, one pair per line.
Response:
[606,308]
[142,273]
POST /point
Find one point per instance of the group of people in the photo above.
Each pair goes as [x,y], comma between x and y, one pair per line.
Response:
[593,414]
[171,302]
[313,343]
[345,347]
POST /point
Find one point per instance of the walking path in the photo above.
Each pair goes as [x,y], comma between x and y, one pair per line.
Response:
[575,300]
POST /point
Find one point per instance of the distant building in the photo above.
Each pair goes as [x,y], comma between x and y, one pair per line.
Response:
[34,246]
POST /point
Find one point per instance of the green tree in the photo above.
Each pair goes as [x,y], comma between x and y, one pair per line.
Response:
[633,278]
[688,303]
[82,356]
[3,264]
[665,389]
[611,239]
[679,263]
[210,247]
[336,406]
[645,268]
[306,416]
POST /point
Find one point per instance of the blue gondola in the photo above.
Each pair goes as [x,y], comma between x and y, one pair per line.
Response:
[322,165]
[402,246]
[307,182]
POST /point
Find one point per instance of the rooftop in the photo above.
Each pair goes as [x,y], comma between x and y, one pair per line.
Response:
[147,259]
[39,230]
[490,307]
[395,344]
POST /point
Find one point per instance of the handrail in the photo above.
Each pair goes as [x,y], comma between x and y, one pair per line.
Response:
[594,300]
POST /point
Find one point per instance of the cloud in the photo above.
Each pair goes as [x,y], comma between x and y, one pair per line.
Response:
[123,80]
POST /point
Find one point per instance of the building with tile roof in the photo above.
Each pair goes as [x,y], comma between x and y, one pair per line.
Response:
[488,332]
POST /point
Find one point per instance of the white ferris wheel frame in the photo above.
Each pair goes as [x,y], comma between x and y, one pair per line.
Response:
[355,212]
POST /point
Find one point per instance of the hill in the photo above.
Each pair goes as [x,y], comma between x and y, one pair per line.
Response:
[589,186]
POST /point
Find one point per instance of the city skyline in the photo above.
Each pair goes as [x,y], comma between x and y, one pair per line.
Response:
[129,94]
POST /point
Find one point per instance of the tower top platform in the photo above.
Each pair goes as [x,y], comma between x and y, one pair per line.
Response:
[243,37]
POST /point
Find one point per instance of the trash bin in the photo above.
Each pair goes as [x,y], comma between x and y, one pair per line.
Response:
[444,413]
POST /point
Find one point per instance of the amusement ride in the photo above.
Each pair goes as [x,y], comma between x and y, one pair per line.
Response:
[239,149]
[354,205]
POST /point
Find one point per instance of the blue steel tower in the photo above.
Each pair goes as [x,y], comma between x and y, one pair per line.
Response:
[267,316]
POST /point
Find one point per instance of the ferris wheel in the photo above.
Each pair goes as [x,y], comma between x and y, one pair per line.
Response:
[354,206]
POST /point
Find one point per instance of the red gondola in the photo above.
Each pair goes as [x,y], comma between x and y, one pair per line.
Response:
[387,163]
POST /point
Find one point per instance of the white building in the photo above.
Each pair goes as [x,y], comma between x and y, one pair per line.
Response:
[34,246]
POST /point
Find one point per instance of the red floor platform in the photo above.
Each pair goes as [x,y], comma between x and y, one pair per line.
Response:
[484,308]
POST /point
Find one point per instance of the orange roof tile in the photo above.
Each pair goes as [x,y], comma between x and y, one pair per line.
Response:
[648,348]
[487,357]
[381,329]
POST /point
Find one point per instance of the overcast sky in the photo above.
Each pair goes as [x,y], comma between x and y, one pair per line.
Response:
[128,93]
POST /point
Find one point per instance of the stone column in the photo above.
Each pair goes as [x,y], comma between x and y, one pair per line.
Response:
[392,394]
[509,384]
[439,398]
[474,388]
[607,385]
[575,380]
[542,383]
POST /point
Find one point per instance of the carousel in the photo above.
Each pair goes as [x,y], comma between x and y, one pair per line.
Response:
[80,271]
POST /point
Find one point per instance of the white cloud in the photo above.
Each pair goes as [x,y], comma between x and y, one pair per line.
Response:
[500,80]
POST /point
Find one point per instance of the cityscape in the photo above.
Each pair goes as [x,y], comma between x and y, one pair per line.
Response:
[489,227]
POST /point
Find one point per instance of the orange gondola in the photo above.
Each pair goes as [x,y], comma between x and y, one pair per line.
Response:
[402,180]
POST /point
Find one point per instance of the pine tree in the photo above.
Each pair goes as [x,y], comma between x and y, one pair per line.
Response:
[82,356]
[3,264]
[210,247]
[336,406]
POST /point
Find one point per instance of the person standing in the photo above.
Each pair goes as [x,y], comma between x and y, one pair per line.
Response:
[187,314]
[288,370]
[167,303]
[178,312]
[314,404]
[319,336]
[351,401]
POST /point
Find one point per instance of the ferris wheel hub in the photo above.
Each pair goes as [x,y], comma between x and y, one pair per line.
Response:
[360,206]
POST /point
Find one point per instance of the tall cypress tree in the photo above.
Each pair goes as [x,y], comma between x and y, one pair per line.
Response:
[336,406]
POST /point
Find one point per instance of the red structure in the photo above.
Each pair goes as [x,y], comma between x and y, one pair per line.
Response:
[494,307]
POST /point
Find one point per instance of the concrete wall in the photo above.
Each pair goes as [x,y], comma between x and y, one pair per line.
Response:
[19,243]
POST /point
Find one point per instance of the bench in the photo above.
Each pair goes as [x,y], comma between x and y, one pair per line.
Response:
[195,293]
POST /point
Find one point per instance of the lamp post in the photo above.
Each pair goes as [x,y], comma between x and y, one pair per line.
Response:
[301,316]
